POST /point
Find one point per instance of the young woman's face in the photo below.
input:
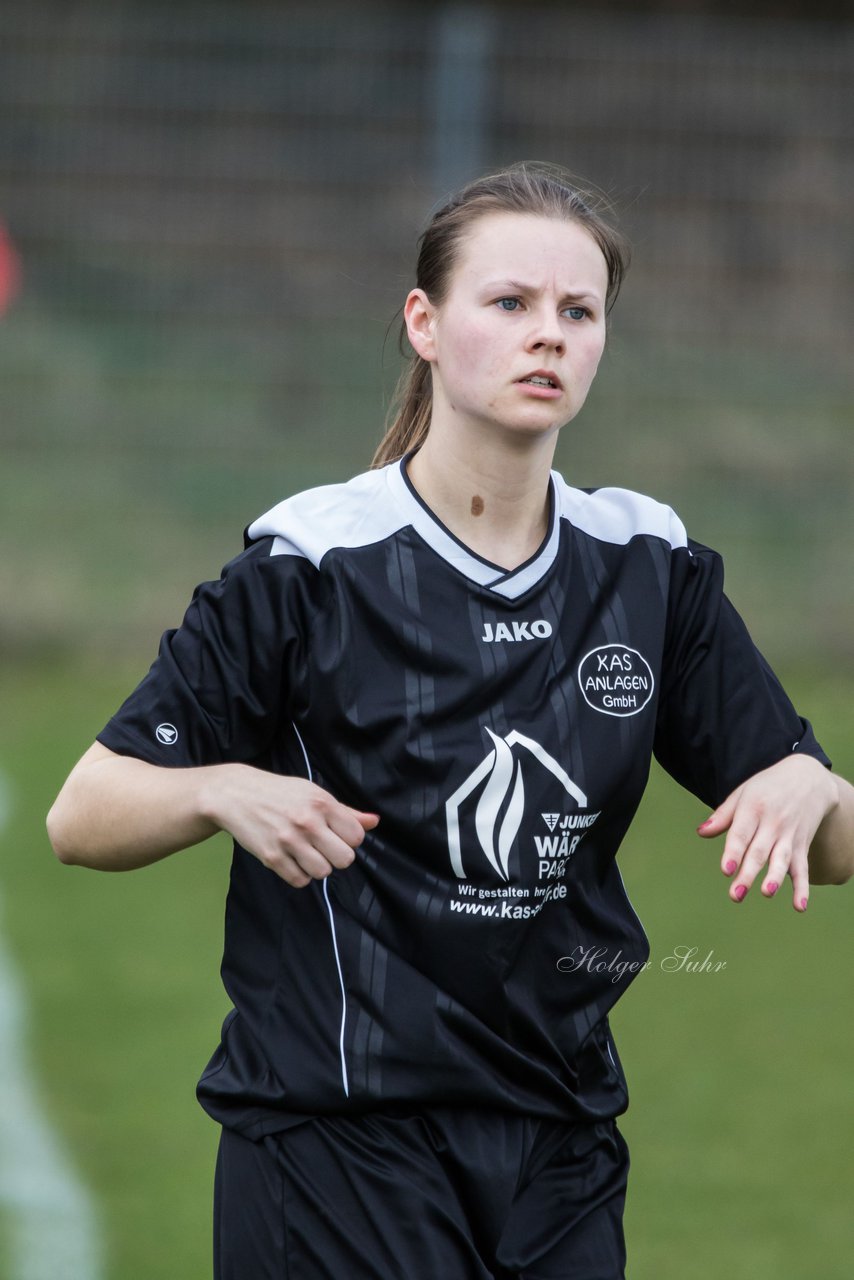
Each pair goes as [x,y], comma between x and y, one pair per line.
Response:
[518,338]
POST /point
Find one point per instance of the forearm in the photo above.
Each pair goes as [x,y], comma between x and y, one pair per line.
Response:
[831,855]
[116,813]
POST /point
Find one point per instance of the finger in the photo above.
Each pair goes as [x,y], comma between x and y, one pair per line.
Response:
[721,819]
[289,870]
[337,842]
[297,850]
[350,825]
[754,859]
[321,852]
[367,820]
[787,860]
[739,838]
[307,833]
[778,867]
[799,871]
[295,860]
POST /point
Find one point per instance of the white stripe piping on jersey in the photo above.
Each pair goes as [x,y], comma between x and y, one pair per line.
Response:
[49,1221]
[344,1079]
[501,573]
[509,583]
[343,992]
[378,504]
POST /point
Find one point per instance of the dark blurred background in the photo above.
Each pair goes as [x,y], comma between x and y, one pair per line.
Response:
[216,207]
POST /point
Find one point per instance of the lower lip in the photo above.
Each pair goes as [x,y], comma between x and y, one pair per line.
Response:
[540,393]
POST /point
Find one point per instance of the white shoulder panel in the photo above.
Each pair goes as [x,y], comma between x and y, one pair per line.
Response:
[618,515]
[355,514]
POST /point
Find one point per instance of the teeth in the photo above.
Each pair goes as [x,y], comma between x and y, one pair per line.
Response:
[539,382]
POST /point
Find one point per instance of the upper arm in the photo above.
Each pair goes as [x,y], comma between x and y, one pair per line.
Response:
[723,714]
[96,752]
[94,755]
[224,680]
[62,812]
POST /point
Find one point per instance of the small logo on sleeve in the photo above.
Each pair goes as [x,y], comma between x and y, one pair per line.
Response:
[615,680]
[167,734]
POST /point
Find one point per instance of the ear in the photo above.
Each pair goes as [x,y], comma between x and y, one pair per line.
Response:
[420,315]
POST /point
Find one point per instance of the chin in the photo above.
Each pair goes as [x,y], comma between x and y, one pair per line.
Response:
[531,431]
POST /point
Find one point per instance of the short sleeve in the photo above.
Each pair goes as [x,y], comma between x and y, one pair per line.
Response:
[222,682]
[723,714]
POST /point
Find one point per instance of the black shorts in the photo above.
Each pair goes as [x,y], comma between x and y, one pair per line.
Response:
[440,1195]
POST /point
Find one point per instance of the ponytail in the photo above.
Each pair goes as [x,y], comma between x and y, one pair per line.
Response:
[409,415]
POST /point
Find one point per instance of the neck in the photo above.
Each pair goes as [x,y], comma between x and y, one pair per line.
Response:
[494,498]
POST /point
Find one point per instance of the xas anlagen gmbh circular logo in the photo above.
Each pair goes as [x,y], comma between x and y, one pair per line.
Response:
[615,680]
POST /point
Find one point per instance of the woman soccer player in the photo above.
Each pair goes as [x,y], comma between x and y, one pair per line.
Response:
[424,704]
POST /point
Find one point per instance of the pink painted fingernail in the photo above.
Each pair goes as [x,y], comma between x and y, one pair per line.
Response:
[771,888]
[739,892]
[705,824]
[730,867]
[803,904]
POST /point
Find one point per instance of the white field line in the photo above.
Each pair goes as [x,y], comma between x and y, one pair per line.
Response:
[48,1218]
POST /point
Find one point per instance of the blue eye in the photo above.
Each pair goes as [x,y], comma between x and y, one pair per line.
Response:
[576,313]
[508,304]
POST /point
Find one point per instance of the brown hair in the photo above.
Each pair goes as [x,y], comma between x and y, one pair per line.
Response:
[527,187]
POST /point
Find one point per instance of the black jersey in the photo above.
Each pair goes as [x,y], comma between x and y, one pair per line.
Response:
[502,725]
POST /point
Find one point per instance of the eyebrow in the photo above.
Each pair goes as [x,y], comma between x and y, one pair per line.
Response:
[517,286]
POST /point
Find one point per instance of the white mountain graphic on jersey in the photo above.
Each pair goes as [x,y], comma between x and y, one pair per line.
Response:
[504,779]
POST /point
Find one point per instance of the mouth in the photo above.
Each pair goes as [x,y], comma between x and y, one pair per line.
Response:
[543,379]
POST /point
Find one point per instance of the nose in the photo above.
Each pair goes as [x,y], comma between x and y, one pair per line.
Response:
[546,333]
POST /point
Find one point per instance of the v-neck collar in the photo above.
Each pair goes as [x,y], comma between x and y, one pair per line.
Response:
[510,583]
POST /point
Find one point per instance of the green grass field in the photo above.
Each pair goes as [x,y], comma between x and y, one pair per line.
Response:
[741,1117]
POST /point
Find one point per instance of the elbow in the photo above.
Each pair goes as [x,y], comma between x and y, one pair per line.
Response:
[60,836]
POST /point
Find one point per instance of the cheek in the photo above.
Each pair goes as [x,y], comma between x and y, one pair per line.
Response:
[591,356]
[471,348]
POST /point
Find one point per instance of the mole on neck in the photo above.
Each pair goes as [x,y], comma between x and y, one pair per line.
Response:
[477,506]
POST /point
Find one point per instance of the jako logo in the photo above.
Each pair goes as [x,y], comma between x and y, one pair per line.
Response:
[516,631]
[503,776]
[167,734]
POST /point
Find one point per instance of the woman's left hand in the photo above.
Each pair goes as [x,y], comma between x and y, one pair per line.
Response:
[771,820]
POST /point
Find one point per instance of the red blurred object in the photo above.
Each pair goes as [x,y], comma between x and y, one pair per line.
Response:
[10,271]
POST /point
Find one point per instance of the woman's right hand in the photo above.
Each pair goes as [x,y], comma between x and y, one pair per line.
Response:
[291,825]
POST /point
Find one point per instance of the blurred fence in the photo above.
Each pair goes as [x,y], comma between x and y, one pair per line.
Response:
[216,207]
